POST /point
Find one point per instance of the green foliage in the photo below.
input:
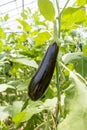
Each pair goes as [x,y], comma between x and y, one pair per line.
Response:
[34,108]
[78,16]
[79,61]
[76,109]
[47,9]
[25,26]
[6,17]
[20,56]
[81,3]
[42,37]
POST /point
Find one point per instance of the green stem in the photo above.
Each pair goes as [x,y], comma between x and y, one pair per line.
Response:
[58,91]
[55,31]
[59,19]
[57,67]
[82,65]
[65,6]
[59,108]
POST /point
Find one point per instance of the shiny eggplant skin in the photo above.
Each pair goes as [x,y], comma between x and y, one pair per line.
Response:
[42,77]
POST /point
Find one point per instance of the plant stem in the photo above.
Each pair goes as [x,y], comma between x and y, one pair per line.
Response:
[59,18]
[58,92]
[65,6]
[57,67]
[59,108]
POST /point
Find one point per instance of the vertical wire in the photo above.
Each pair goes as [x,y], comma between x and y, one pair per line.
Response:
[23,5]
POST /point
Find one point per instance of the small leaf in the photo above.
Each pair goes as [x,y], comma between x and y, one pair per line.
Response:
[25,25]
[4,87]
[47,9]
[18,118]
[22,38]
[2,33]
[6,17]
[26,61]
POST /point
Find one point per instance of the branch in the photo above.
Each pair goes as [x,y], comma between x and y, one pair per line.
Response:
[65,6]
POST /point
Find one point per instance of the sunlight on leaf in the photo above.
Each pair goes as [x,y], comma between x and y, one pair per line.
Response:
[4,87]
[26,61]
[47,9]
[3,114]
[76,106]
[81,2]
[78,17]
[34,108]
[25,25]
[42,37]
[69,57]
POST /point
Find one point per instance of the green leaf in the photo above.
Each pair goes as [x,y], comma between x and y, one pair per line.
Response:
[47,9]
[70,57]
[3,113]
[79,61]
[26,61]
[42,37]
[4,87]
[75,105]
[81,2]
[25,25]
[22,86]
[22,38]
[24,16]
[18,118]
[34,108]
[78,17]
[6,17]
[2,33]
[16,108]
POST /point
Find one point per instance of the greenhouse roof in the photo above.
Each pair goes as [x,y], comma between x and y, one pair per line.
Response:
[11,9]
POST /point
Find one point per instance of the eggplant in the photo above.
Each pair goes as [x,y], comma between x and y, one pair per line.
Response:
[42,77]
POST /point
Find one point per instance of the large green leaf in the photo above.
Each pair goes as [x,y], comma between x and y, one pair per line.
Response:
[76,105]
[71,17]
[34,108]
[79,61]
[71,57]
[81,2]
[47,9]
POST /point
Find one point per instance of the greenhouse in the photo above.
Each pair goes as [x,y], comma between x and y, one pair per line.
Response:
[43,65]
